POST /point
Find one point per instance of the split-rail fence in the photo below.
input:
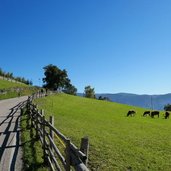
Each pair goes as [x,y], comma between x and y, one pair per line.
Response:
[68,157]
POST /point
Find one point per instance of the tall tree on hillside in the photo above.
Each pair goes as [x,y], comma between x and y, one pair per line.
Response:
[56,79]
[89,92]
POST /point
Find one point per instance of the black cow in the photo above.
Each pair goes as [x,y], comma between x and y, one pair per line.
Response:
[167,114]
[153,113]
[146,113]
[131,113]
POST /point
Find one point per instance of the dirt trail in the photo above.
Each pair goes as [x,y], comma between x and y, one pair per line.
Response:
[10,145]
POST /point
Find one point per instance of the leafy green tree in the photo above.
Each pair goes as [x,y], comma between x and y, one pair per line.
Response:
[167,107]
[55,78]
[70,89]
[89,92]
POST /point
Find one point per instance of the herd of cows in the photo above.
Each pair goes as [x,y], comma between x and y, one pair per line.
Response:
[149,113]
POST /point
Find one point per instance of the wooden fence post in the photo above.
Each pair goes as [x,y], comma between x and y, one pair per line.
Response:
[51,120]
[42,114]
[28,105]
[84,147]
[68,155]
[31,108]
[42,127]
[44,139]
[36,122]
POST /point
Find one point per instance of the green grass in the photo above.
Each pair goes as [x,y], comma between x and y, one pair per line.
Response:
[10,89]
[32,153]
[4,84]
[117,142]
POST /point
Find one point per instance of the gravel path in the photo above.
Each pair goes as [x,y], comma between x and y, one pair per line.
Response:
[10,146]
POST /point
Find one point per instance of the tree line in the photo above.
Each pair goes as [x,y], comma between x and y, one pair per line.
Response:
[58,80]
[10,76]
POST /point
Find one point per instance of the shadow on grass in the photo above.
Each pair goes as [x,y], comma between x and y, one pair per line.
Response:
[33,154]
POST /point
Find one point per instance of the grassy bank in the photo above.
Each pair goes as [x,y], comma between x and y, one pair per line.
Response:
[10,89]
[117,142]
[5,84]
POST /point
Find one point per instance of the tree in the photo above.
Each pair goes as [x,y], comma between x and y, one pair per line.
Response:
[30,82]
[56,79]
[70,89]
[1,72]
[167,107]
[9,75]
[89,92]
[104,98]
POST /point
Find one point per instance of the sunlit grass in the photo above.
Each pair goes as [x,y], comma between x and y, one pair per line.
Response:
[32,151]
[117,142]
[4,84]
[10,89]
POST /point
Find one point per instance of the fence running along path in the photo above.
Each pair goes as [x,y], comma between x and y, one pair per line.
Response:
[59,159]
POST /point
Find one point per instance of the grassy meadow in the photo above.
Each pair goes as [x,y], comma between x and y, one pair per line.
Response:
[117,142]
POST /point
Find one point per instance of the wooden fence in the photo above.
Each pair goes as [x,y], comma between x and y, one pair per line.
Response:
[65,158]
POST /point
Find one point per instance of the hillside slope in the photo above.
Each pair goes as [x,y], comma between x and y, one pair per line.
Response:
[4,84]
[9,89]
[117,142]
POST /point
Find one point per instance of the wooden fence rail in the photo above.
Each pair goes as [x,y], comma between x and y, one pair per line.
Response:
[59,159]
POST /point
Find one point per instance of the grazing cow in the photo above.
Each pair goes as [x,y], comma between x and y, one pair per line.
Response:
[146,113]
[167,114]
[153,113]
[131,113]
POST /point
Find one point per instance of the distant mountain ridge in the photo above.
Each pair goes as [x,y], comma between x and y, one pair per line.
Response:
[156,102]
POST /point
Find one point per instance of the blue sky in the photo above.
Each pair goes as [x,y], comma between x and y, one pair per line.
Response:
[112,45]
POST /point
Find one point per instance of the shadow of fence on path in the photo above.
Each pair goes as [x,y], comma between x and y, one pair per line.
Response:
[11,134]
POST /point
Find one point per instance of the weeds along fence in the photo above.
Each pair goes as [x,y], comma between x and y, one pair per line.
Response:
[59,158]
